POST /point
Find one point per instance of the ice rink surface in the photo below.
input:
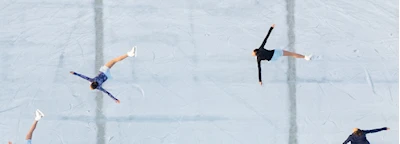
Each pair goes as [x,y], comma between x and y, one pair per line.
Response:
[194,80]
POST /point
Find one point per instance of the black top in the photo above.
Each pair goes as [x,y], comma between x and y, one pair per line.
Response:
[264,54]
[361,139]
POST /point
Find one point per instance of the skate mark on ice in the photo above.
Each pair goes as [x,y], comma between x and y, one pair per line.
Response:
[342,91]
[309,121]
[370,82]
[140,88]
[386,75]
[135,86]
[242,101]
[109,139]
[363,116]
[11,108]
[60,64]
[153,75]
[82,54]
[19,89]
[227,133]
[147,118]
[323,92]
[351,80]
[212,122]
[162,139]
[368,79]
[247,32]
[383,10]
[383,117]
[121,134]
[329,120]
[179,121]
[58,136]
[59,74]
[3,8]
[391,96]
[19,122]
[192,38]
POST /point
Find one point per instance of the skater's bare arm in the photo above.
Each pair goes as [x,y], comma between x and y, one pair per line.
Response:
[259,71]
[266,38]
[82,76]
[109,94]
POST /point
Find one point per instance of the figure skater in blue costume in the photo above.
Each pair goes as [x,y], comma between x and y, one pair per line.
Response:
[104,74]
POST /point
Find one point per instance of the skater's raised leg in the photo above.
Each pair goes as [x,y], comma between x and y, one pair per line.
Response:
[39,115]
[295,55]
[104,73]
[115,60]
[33,127]
[120,58]
[292,54]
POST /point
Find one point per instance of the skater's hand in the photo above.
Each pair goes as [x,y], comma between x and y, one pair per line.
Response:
[9,142]
[273,25]
[387,128]
[71,72]
[260,83]
[117,101]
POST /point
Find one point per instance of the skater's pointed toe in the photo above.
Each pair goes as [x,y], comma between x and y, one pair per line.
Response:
[40,112]
[132,52]
[308,58]
[39,115]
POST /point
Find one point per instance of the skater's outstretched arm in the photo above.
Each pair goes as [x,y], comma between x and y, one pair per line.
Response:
[259,71]
[348,139]
[82,76]
[109,94]
[375,130]
[265,40]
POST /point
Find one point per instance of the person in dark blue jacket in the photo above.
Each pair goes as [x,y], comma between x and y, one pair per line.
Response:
[104,74]
[359,136]
[272,55]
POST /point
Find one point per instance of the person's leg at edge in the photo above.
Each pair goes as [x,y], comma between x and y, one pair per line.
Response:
[38,116]
[33,127]
[120,58]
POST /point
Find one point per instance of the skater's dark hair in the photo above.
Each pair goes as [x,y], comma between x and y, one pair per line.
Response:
[358,132]
[94,85]
[255,51]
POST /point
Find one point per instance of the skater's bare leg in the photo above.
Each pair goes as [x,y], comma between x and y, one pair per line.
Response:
[39,115]
[33,127]
[115,60]
[292,54]
[120,58]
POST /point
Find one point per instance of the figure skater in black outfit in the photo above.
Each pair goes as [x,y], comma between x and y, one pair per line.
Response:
[359,136]
[272,55]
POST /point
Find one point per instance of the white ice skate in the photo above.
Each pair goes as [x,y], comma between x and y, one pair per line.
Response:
[308,58]
[133,52]
[39,115]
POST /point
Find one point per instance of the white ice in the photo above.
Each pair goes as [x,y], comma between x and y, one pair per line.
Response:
[194,80]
